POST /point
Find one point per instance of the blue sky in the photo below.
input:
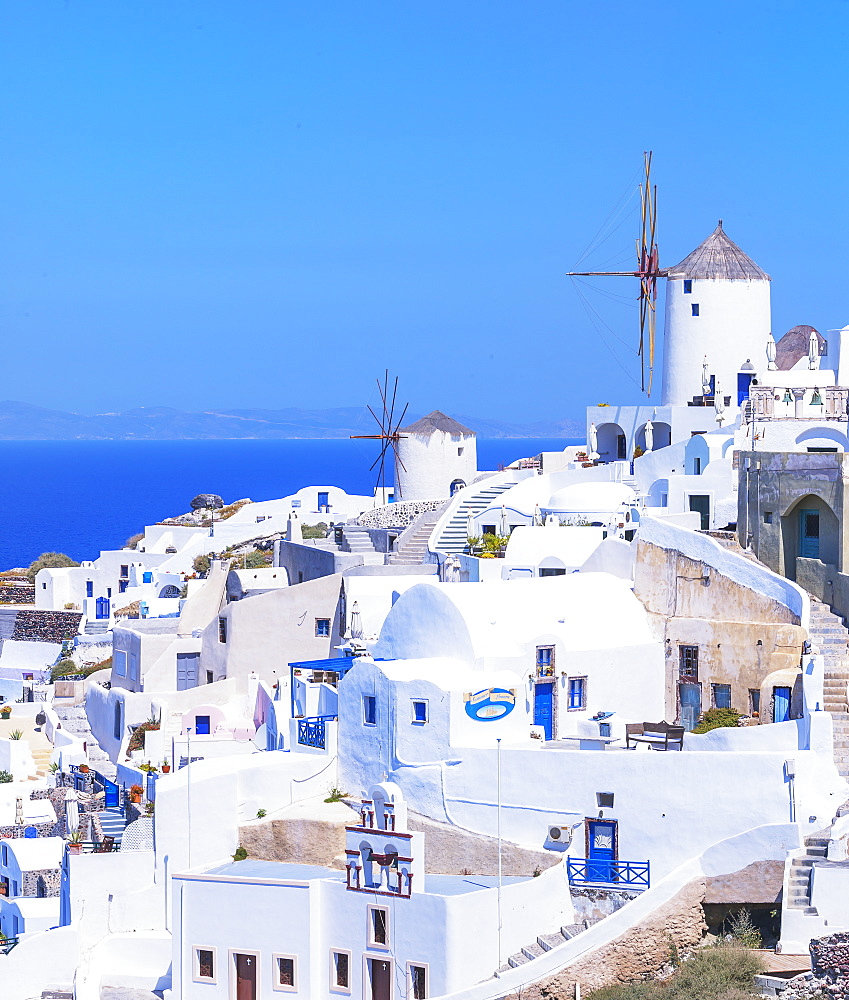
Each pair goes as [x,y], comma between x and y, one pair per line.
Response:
[265,203]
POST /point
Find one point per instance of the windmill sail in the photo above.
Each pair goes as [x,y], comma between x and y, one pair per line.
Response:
[388,435]
[648,271]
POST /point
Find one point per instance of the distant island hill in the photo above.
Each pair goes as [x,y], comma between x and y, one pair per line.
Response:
[26,422]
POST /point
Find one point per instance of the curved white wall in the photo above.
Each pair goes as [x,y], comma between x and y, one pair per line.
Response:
[432,463]
[732,326]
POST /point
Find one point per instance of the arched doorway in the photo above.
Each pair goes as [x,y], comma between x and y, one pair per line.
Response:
[612,443]
[809,530]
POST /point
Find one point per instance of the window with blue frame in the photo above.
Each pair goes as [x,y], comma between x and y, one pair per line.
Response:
[545,661]
[721,695]
[695,308]
[577,693]
[89,588]
[202,725]
[688,286]
[419,712]
[322,627]
[369,710]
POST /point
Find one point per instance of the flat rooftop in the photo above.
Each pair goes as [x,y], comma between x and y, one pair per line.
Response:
[281,870]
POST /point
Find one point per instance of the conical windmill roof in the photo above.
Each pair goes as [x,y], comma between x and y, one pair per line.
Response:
[436,421]
[718,257]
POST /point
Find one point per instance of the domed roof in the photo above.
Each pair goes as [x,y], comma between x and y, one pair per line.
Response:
[437,421]
[718,257]
[590,498]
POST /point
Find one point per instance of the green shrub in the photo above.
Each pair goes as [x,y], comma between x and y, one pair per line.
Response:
[48,560]
[137,739]
[314,530]
[257,559]
[335,795]
[261,813]
[64,668]
[16,734]
[5,777]
[240,855]
[201,564]
[725,971]
[744,931]
[717,718]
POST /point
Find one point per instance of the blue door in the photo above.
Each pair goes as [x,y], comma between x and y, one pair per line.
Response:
[601,851]
[544,708]
[690,700]
[102,607]
[744,380]
[780,704]
[809,534]
[110,790]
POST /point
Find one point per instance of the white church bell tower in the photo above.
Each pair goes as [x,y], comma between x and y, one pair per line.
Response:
[717,321]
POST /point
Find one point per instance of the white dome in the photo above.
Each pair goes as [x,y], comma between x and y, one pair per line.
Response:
[590,498]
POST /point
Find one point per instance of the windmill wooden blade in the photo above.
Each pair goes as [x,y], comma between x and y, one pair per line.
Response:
[648,271]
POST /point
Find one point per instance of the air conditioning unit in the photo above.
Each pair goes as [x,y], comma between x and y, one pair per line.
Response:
[559,838]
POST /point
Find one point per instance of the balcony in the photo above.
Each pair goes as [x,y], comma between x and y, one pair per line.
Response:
[610,874]
[312,732]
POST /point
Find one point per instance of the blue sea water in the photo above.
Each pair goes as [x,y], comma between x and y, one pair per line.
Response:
[79,497]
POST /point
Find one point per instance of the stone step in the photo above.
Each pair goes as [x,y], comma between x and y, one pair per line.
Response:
[532,951]
[514,961]
[549,941]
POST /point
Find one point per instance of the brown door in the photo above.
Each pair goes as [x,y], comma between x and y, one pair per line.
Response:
[245,977]
[381,988]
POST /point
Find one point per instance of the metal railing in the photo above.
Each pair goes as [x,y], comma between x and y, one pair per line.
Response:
[312,732]
[95,847]
[621,874]
[7,944]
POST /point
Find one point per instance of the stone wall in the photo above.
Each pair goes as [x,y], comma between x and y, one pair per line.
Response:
[47,879]
[830,957]
[638,954]
[17,595]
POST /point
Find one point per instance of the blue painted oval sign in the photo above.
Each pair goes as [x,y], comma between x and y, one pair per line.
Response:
[491,704]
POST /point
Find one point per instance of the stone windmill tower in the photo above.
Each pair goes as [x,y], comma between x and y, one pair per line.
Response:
[436,457]
[718,315]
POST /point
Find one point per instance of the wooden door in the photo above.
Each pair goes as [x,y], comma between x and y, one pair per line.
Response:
[809,534]
[245,977]
[601,850]
[690,701]
[544,708]
[381,984]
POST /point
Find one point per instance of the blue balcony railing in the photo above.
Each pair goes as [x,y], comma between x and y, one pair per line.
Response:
[312,731]
[621,874]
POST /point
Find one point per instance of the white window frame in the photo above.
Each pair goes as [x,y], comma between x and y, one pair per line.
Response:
[196,976]
[420,701]
[385,946]
[231,957]
[134,667]
[120,662]
[419,965]
[275,985]
[334,986]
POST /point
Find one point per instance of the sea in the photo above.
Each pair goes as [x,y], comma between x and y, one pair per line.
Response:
[79,497]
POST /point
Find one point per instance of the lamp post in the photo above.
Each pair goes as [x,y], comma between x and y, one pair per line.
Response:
[498,824]
[189,791]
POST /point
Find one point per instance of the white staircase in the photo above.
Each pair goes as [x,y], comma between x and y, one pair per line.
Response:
[411,545]
[450,534]
[356,539]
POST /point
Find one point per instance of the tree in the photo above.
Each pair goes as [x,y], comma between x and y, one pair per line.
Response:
[49,560]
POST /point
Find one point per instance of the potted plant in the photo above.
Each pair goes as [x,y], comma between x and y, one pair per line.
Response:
[136,792]
[6,711]
[166,767]
[83,768]
[75,841]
